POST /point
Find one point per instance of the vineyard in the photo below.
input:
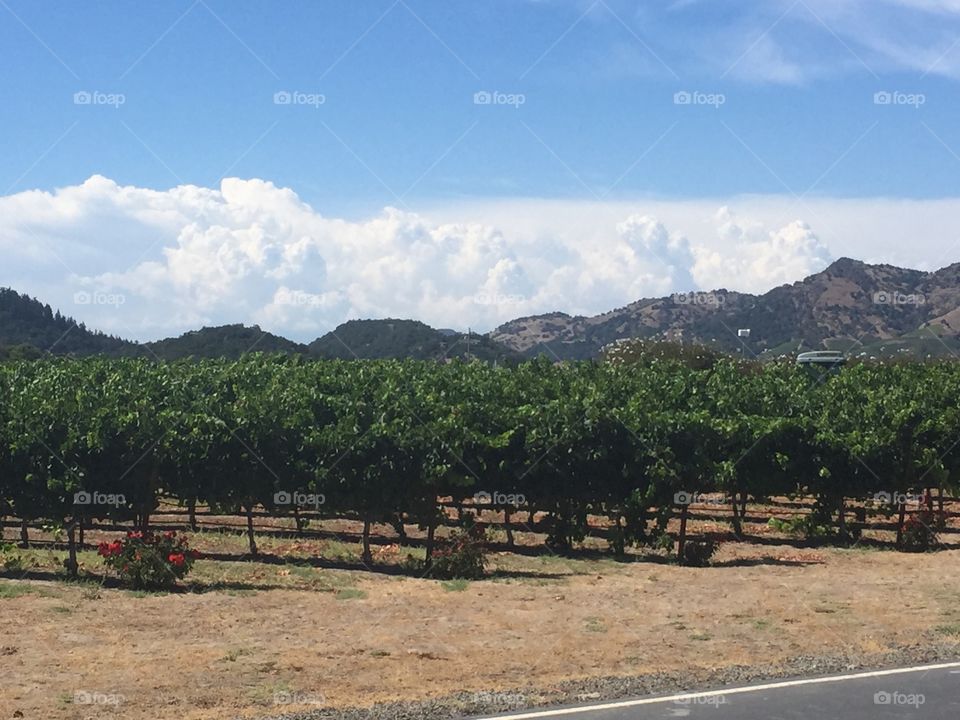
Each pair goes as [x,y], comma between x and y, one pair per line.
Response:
[409,443]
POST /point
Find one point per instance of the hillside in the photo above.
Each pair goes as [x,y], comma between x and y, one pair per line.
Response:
[393,338]
[29,327]
[860,308]
[226,341]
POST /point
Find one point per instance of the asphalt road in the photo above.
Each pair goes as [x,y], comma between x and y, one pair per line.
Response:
[930,692]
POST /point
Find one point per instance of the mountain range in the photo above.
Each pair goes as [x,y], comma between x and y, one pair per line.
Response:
[862,309]
[849,306]
[29,329]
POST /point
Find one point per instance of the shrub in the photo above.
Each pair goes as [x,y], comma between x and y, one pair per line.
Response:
[697,553]
[807,526]
[662,541]
[149,560]
[10,559]
[463,555]
[918,531]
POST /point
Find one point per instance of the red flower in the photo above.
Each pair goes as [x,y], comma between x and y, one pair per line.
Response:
[134,534]
[110,549]
[176,558]
[170,534]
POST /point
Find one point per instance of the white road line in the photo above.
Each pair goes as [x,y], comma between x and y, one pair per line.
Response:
[716,693]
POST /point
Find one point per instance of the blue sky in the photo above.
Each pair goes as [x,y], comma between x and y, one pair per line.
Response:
[398,80]
[587,108]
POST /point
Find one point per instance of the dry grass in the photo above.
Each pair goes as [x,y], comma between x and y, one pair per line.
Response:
[259,638]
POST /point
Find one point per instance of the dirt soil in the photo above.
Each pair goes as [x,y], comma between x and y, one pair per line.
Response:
[278,639]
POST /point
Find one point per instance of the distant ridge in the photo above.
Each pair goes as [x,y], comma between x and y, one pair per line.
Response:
[851,306]
[227,341]
[406,338]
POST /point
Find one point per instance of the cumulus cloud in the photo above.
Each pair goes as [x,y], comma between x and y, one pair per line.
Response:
[249,251]
[757,258]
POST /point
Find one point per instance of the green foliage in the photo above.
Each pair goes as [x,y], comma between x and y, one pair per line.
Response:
[377,440]
[805,526]
[21,351]
[10,559]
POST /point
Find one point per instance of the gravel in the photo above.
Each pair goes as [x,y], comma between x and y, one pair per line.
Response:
[468,704]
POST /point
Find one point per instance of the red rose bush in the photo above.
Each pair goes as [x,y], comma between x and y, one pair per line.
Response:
[149,560]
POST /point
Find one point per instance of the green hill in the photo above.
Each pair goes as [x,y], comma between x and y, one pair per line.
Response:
[29,327]
[392,338]
[226,341]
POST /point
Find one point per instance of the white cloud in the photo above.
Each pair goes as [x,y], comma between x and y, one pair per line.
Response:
[252,252]
[758,258]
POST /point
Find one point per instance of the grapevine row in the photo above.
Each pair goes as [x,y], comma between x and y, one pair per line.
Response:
[383,440]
